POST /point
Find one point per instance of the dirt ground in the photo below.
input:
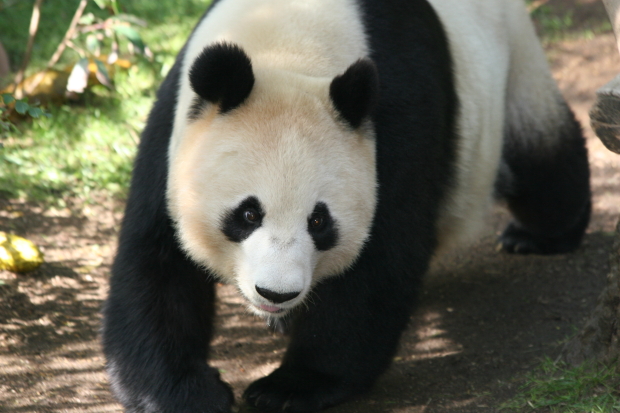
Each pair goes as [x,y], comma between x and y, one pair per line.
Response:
[485,318]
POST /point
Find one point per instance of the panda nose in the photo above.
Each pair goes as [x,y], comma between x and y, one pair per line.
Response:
[275,297]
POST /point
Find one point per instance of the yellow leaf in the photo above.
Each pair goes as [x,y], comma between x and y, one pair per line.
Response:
[18,254]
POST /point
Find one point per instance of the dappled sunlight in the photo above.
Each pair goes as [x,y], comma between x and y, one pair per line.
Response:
[410,409]
[71,375]
[463,403]
[50,356]
[243,376]
[99,408]
[432,340]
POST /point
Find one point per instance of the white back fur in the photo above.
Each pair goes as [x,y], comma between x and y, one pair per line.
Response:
[502,78]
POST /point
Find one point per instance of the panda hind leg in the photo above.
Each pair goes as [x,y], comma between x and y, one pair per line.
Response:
[545,180]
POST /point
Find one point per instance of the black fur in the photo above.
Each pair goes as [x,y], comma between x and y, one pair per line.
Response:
[549,189]
[222,74]
[198,106]
[324,235]
[354,93]
[236,225]
[158,317]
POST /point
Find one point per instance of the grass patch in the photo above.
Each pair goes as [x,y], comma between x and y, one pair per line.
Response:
[570,21]
[553,25]
[558,388]
[88,146]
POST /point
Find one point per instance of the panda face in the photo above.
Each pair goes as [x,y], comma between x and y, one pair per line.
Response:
[276,194]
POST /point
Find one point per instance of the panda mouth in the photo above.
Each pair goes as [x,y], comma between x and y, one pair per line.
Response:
[270,308]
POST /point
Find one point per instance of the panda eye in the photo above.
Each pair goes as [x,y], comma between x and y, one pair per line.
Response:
[251,216]
[239,223]
[316,221]
[322,227]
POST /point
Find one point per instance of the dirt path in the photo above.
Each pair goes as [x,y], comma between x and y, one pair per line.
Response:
[485,317]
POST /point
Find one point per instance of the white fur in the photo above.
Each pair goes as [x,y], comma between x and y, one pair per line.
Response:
[284,146]
[313,37]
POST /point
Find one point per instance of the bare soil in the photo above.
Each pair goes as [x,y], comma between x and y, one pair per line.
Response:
[485,318]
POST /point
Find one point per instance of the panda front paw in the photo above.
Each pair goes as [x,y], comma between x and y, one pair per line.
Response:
[291,391]
[202,391]
[518,240]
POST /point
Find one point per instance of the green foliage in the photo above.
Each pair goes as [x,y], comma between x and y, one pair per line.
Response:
[5,124]
[558,388]
[132,35]
[169,23]
[108,4]
[90,147]
[21,106]
[553,25]
[563,21]
[80,148]
[97,33]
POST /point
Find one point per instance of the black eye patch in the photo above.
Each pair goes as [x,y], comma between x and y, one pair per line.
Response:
[239,223]
[322,228]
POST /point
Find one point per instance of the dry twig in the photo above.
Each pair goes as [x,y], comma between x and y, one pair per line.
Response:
[61,47]
[32,32]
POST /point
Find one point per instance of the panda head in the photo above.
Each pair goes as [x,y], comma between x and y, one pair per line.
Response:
[273,184]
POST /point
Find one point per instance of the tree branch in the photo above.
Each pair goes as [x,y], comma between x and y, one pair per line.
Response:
[61,47]
[32,32]
[68,35]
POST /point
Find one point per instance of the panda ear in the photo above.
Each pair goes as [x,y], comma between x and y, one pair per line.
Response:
[354,93]
[222,74]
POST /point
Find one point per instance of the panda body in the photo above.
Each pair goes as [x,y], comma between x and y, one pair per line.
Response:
[329,148]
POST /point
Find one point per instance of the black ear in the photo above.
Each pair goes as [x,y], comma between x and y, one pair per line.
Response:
[355,92]
[222,74]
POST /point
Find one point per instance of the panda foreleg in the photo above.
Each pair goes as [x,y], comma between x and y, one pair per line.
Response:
[157,328]
[158,316]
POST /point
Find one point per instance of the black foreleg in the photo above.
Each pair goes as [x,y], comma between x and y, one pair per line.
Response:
[158,317]
[157,327]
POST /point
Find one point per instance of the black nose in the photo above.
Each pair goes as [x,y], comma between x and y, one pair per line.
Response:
[275,297]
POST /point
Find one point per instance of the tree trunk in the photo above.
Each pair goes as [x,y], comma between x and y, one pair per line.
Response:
[5,67]
[599,339]
[605,115]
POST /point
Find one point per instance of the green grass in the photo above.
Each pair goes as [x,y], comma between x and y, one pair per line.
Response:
[87,146]
[556,23]
[557,388]
[553,25]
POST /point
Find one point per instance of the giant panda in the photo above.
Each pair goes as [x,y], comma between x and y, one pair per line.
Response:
[317,154]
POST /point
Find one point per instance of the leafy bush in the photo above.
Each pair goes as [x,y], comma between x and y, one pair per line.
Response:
[90,146]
